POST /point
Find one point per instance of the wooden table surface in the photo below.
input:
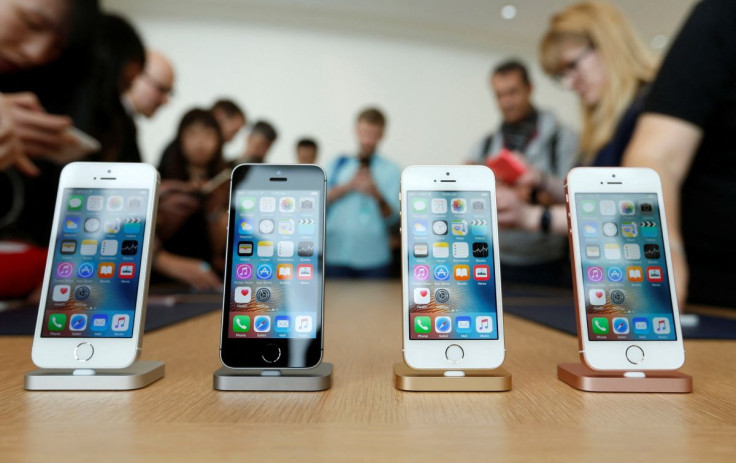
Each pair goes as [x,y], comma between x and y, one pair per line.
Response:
[363,418]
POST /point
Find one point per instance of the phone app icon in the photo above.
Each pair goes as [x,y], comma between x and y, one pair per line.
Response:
[458,205]
[484,324]
[304,272]
[306,204]
[99,322]
[594,274]
[632,252]
[68,246]
[57,322]
[306,226]
[287,204]
[661,325]
[648,229]
[108,247]
[88,248]
[441,273]
[459,227]
[422,325]
[442,325]
[287,227]
[654,274]
[71,224]
[626,207]
[112,226]
[241,323]
[284,271]
[651,251]
[615,274]
[482,272]
[120,322]
[597,296]
[285,249]
[419,205]
[587,206]
[610,229]
[64,270]
[78,322]
[439,227]
[635,274]
[244,272]
[617,296]
[85,270]
[421,250]
[461,272]
[600,325]
[460,250]
[442,296]
[305,249]
[477,205]
[612,251]
[132,226]
[129,248]
[248,205]
[268,204]
[629,230]
[608,207]
[480,249]
[82,293]
[94,203]
[590,229]
[421,272]
[61,293]
[419,227]
[640,325]
[620,325]
[479,227]
[303,324]
[266,226]
[282,324]
[242,295]
[421,295]
[440,250]
[462,324]
[246,226]
[126,271]
[593,252]
[75,202]
[265,249]
[106,270]
[439,206]
[262,324]
[115,203]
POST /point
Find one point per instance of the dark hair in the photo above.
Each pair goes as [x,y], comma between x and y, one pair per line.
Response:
[265,129]
[120,46]
[175,167]
[372,116]
[306,143]
[229,107]
[512,65]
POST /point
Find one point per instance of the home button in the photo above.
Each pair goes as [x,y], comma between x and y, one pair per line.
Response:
[454,353]
[84,352]
[635,355]
[271,353]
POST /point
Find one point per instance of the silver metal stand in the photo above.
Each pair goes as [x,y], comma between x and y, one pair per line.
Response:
[318,378]
[136,376]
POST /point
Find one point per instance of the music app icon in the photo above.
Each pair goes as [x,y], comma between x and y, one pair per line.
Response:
[661,325]
[120,322]
[303,324]
[484,324]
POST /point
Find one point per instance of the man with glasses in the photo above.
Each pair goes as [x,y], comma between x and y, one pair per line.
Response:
[153,87]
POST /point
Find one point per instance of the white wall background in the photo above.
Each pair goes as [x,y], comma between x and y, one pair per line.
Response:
[313,83]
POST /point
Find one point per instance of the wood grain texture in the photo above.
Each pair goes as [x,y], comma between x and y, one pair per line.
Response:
[363,418]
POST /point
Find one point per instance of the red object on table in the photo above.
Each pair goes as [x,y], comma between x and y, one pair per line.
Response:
[507,167]
[21,268]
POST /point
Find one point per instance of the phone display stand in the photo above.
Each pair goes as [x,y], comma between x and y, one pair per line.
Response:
[409,379]
[136,376]
[583,378]
[318,378]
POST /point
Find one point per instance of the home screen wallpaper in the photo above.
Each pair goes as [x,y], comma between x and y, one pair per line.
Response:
[96,265]
[452,292]
[275,275]
[627,291]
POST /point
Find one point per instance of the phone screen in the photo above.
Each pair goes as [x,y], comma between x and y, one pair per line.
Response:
[93,285]
[275,273]
[451,289]
[625,280]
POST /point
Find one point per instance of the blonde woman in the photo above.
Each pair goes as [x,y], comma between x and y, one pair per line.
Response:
[591,49]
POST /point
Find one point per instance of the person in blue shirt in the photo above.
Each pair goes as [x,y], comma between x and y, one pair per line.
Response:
[362,205]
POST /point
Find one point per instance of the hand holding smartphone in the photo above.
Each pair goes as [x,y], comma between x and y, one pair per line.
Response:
[506,167]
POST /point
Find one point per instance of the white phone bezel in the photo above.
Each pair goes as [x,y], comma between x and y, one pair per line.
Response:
[50,352]
[430,354]
[611,355]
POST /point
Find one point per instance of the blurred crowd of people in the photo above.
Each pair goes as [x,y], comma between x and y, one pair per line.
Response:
[66,65]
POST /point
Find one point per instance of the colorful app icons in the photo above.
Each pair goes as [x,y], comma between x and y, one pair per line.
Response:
[459,227]
[129,248]
[655,275]
[648,229]
[75,202]
[479,227]
[421,250]
[266,226]
[305,249]
[88,248]
[587,206]
[632,252]
[441,273]
[245,248]
[661,325]
[610,229]
[640,325]
[607,207]
[600,325]
[264,272]
[132,226]
[421,272]
[82,292]
[440,250]
[244,271]
[620,325]
[247,205]
[305,271]
[57,322]
[112,226]
[262,324]
[126,270]
[64,270]
[590,229]
[443,325]
[439,206]
[617,296]
[481,272]
[85,270]
[61,293]
[303,323]
[265,249]
[615,274]
[287,227]
[246,226]
[285,249]
[69,246]
[422,325]
[651,251]
[419,205]
[458,206]
[463,324]
[626,207]
[461,272]
[595,274]
[597,296]
[480,249]
[612,251]
[120,322]
[421,295]
[629,230]
[78,322]
[284,271]
[243,295]
[241,323]
[287,204]
[115,203]
[420,227]
[593,252]
[71,224]
[99,322]
[439,227]
[635,274]
[460,250]
[306,226]
[109,247]
[282,324]
[268,204]
[442,296]
[95,203]
[484,324]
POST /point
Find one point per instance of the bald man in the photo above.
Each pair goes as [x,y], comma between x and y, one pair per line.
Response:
[152,88]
